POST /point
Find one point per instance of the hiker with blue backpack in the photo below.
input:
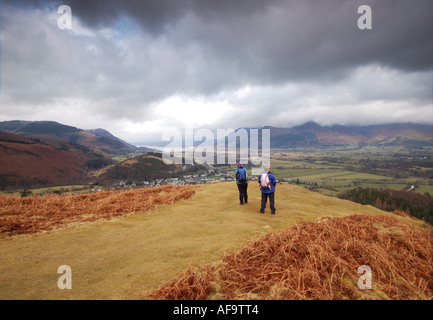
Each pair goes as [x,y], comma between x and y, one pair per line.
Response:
[267,183]
[242,182]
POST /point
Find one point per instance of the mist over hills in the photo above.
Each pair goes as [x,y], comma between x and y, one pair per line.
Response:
[312,134]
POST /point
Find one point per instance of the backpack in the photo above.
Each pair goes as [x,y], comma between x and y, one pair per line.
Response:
[264,181]
[241,176]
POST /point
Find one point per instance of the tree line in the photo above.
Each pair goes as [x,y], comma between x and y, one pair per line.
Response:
[417,205]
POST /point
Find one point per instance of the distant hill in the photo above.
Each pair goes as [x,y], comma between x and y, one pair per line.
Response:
[146,167]
[99,139]
[44,153]
[312,134]
[105,134]
[12,126]
[30,148]
[28,162]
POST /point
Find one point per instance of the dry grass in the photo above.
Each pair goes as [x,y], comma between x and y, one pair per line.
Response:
[319,260]
[36,213]
[131,257]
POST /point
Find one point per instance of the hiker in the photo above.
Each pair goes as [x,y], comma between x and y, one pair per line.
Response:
[242,182]
[267,183]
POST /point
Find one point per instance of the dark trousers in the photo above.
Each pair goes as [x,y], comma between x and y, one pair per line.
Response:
[243,195]
[265,197]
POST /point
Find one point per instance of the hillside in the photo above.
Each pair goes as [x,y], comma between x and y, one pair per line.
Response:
[147,167]
[313,135]
[27,162]
[98,139]
[412,203]
[106,134]
[130,257]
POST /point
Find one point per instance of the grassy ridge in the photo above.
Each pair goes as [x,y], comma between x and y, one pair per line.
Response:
[128,256]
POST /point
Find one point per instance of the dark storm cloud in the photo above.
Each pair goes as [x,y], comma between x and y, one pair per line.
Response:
[158,15]
[274,41]
[279,40]
[268,61]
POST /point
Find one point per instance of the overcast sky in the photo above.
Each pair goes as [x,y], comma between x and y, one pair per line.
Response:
[137,67]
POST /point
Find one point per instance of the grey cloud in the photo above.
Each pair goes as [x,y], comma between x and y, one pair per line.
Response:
[286,38]
[272,42]
[286,50]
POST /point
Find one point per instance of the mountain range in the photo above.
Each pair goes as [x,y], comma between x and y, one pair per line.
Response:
[47,152]
[50,130]
[312,134]
[41,153]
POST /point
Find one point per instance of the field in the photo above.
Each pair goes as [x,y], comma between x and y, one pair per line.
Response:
[334,170]
[131,256]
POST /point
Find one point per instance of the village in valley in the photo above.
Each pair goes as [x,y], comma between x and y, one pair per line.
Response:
[208,174]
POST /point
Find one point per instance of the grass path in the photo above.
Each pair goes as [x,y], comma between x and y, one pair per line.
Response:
[120,258]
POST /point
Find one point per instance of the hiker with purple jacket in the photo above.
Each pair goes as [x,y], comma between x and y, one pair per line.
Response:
[267,183]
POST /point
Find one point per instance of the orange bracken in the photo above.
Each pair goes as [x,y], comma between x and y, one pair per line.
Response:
[319,260]
[36,213]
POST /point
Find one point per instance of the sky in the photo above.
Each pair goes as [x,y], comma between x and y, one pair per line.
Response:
[137,68]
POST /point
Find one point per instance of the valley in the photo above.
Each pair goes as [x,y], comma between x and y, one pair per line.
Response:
[333,170]
[133,227]
[389,156]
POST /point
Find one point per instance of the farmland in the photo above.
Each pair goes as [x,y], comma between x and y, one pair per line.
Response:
[334,170]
